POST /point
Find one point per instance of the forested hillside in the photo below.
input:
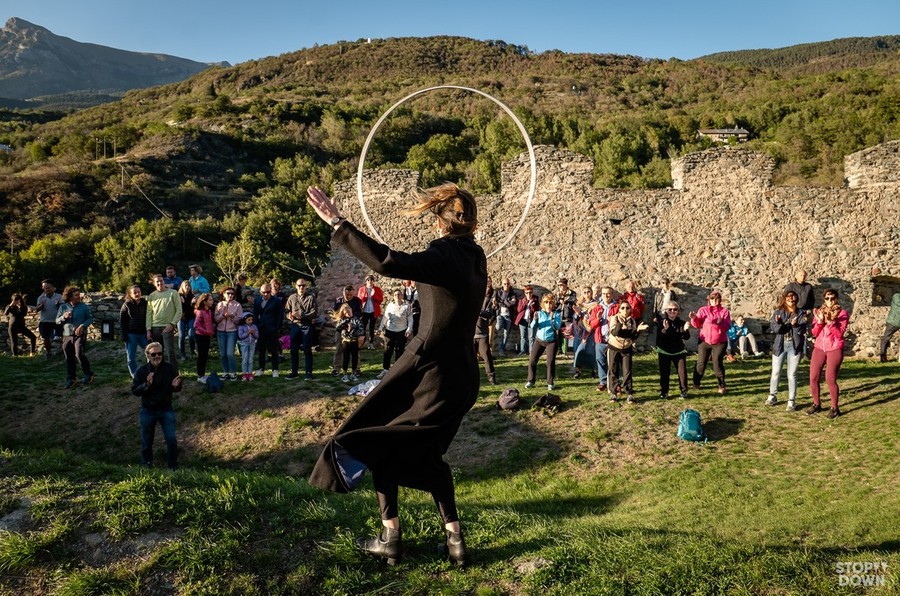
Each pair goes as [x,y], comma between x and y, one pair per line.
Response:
[225,155]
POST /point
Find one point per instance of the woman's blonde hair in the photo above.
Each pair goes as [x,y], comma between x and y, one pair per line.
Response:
[342,313]
[452,205]
[548,298]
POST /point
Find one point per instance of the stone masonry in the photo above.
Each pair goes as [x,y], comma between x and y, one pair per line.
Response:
[722,225]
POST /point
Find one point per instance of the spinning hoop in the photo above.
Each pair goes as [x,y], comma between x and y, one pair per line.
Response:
[365,150]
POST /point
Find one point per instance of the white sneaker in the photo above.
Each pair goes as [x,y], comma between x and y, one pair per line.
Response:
[551,387]
[202,379]
[258,372]
[529,385]
[382,373]
[757,354]
[353,377]
[274,374]
[791,406]
[346,378]
[772,400]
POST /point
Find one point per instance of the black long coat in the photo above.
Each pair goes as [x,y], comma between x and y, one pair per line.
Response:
[404,426]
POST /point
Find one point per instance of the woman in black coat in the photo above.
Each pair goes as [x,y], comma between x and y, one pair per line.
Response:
[404,426]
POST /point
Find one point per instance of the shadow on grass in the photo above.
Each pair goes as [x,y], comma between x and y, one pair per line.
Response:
[722,428]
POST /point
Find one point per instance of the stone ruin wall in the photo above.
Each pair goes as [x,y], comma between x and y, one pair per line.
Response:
[722,225]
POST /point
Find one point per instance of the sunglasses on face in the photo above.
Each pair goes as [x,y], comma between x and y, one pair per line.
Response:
[155,354]
[829,299]
[672,310]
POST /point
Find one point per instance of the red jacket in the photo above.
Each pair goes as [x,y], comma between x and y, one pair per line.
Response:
[377,298]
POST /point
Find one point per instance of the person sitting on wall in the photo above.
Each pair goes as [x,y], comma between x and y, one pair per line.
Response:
[740,335]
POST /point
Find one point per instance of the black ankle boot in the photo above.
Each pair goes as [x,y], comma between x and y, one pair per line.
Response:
[388,544]
[456,548]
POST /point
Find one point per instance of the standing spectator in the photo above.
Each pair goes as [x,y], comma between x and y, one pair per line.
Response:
[302,311]
[546,326]
[829,326]
[526,308]
[634,299]
[349,326]
[396,326]
[584,356]
[482,339]
[349,298]
[133,322]
[411,295]
[278,290]
[75,318]
[248,335]
[173,282]
[663,297]
[15,319]
[671,332]
[506,307]
[154,383]
[598,323]
[371,298]
[623,330]
[804,291]
[713,321]
[493,305]
[186,323]
[163,316]
[240,289]
[204,329]
[268,311]
[565,306]
[891,326]
[227,317]
[789,326]
[48,304]
[199,285]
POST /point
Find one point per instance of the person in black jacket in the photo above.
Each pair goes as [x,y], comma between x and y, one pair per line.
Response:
[133,322]
[671,331]
[154,383]
[402,429]
[268,311]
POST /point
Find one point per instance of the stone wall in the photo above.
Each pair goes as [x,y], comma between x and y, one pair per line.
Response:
[723,225]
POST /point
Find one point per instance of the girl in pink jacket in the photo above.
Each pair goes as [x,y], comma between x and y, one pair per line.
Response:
[713,321]
[829,326]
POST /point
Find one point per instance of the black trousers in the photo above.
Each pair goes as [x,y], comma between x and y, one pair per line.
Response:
[483,348]
[665,371]
[368,321]
[889,331]
[269,345]
[705,353]
[619,359]
[395,342]
[536,350]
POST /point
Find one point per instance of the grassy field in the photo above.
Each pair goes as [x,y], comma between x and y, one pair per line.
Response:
[601,498]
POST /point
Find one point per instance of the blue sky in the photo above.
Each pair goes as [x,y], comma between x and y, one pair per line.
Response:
[237,31]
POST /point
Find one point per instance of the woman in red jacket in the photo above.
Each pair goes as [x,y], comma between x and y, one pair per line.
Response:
[713,321]
[829,326]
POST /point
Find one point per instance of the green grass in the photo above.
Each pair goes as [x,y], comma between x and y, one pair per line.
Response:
[600,499]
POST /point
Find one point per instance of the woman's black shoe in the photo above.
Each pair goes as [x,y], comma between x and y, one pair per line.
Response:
[387,544]
[456,548]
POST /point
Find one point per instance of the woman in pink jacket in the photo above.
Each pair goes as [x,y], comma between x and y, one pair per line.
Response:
[829,326]
[713,321]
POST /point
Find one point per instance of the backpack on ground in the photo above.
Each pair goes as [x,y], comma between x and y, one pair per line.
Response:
[509,399]
[214,383]
[549,404]
[690,426]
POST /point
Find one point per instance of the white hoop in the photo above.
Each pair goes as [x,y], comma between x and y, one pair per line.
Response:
[365,150]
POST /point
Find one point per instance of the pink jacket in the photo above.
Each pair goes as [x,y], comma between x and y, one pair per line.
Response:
[830,335]
[203,324]
[228,324]
[713,323]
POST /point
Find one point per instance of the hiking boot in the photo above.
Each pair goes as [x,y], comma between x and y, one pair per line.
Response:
[388,545]
[813,409]
[834,413]
[772,400]
[791,406]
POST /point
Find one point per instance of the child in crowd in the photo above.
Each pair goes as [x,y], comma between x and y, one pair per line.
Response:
[739,333]
[351,329]
[204,329]
[248,334]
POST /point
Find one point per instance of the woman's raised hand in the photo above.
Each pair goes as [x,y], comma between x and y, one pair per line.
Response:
[323,206]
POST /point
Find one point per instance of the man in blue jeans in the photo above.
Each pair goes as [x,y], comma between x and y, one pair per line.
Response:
[302,310]
[154,383]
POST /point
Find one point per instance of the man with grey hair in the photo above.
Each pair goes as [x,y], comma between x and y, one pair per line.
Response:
[154,383]
[268,312]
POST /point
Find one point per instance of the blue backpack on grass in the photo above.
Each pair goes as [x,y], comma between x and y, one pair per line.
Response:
[690,426]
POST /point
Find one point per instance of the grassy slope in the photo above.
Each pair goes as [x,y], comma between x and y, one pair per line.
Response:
[602,498]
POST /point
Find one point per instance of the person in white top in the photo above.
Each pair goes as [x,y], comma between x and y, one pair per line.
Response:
[396,327]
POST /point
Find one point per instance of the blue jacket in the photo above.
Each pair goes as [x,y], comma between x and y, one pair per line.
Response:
[781,326]
[546,326]
[268,319]
[81,315]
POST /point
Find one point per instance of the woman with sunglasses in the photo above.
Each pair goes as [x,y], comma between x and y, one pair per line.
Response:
[228,315]
[789,326]
[671,332]
[404,426]
[829,326]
